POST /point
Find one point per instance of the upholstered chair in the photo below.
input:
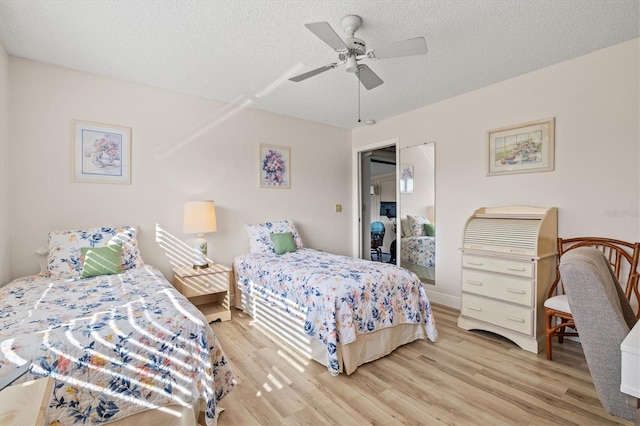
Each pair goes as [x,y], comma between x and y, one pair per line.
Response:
[604,317]
[623,258]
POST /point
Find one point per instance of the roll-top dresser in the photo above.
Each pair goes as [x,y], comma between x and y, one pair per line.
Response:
[508,262]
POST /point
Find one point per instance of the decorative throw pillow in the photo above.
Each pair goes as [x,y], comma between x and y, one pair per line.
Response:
[64,248]
[417,225]
[101,260]
[283,242]
[429,230]
[260,235]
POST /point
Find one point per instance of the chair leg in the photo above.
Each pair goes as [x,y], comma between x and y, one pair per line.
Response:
[548,345]
[561,335]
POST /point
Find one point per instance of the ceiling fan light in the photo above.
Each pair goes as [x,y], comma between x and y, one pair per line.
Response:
[352,64]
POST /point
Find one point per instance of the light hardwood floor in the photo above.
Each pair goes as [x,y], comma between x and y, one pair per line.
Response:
[465,378]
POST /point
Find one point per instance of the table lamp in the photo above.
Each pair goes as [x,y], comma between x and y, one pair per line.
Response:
[199,219]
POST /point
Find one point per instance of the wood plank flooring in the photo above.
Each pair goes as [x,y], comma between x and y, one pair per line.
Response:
[465,378]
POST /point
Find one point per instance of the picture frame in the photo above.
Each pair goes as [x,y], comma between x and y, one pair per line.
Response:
[406,178]
[522,148]
[275,166]
[101,153]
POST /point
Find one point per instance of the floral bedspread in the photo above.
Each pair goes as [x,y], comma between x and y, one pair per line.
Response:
[115,345]
[419,251]
[342,296]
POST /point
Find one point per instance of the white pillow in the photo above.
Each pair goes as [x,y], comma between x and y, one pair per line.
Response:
[405,228]
[417,225]
[260,235]
[43,253]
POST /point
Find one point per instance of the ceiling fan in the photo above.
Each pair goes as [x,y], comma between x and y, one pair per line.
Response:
[352,50]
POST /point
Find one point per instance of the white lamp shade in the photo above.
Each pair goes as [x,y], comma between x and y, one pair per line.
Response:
[199,217]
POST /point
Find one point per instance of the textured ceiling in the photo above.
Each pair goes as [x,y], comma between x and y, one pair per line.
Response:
[244,51]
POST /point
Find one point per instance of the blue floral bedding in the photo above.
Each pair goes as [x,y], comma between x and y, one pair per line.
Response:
[419,251]
[341,296]
[115,344]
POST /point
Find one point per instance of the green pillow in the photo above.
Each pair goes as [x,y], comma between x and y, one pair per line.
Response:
[429,229]
[101,260]
[283,243]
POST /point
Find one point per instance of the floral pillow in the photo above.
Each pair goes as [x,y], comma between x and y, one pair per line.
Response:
[416,223]
[65,248]
[260,235]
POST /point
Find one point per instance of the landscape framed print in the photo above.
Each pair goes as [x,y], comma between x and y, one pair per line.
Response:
[523,148]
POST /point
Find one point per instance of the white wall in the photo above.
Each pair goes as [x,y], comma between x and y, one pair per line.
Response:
[5,238]
[595,185]
[184,148]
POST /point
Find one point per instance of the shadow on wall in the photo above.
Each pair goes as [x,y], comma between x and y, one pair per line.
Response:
[178,252]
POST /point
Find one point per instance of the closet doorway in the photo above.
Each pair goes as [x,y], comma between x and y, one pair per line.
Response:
[392,184]
[377,194]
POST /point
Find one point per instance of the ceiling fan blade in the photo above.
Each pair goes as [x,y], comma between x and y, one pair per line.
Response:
[325,33]
[413,46]
[368,78]
[311,73]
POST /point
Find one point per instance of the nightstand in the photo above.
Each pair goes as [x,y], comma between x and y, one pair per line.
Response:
[207,289]
[26,403]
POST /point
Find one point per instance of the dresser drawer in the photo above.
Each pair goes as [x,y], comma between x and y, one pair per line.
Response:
[503,287]
[511,267]
[511,317]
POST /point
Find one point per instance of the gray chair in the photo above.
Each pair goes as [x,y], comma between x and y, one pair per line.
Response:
[604,317]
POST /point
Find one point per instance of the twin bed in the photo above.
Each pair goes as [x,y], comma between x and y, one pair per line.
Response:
[122,343]
[341,311]
[117,343]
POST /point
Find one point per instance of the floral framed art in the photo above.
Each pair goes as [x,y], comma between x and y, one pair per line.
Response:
[406,178]
[275,167]
[101,152]
[523,148]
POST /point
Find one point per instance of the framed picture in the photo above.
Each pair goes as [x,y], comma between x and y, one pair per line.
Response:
[101,152]
[524,148]
[406,178]
[275,167]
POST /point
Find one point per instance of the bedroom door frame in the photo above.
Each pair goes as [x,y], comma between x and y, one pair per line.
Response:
[358,235]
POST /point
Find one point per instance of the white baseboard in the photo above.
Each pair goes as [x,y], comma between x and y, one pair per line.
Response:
[442,299]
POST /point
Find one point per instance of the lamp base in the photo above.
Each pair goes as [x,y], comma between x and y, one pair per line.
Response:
[204,266]
[200,250]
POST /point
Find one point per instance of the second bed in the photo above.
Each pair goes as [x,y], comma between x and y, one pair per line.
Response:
[341,311]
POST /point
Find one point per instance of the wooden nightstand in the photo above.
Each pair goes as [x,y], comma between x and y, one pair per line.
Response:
[207,289]
[26,403]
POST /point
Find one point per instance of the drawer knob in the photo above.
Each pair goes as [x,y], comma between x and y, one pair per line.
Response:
[516,291]
[473,308]
[475,262]
[514,319]
[513,268]
[472,282]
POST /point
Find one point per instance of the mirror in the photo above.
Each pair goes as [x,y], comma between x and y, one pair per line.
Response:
[416,218]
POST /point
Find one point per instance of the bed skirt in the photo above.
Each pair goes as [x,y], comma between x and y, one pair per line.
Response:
[287,323]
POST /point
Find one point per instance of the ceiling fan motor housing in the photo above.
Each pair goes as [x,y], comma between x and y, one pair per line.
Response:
[356,45]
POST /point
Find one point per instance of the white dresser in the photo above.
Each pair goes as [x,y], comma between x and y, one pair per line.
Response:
[630,349]
[508,262]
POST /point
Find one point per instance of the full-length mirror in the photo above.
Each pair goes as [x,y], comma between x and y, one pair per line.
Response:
[416,218]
